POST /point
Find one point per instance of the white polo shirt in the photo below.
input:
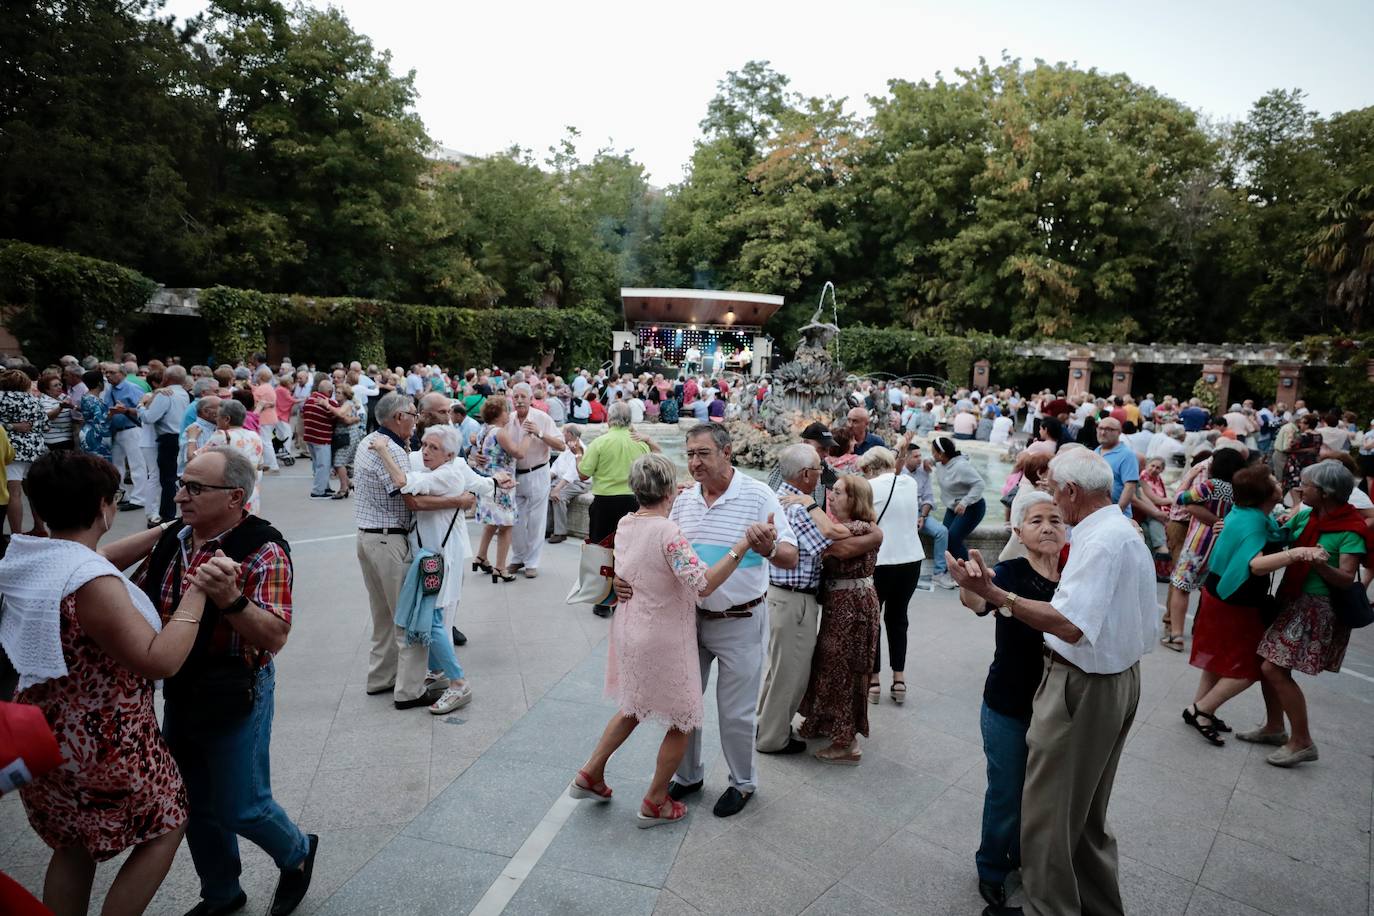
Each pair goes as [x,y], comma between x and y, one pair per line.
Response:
[713,530]
[1107,590]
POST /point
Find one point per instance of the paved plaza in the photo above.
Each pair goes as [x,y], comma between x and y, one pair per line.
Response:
[468,813]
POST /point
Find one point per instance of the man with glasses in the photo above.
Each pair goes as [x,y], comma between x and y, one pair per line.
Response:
[1124,463]
[219,707]
[535,432]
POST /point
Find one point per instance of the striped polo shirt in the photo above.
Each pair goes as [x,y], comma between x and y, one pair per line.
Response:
[714,530]
[317,419]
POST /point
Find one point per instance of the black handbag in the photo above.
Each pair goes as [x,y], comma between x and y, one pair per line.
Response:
[340,437]
[1351,605]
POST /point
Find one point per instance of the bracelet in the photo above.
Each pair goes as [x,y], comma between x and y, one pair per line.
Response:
[734,556]
[194,620]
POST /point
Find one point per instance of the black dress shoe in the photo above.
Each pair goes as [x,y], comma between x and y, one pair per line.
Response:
[458,638]
[995,910]
[425,699]
[732,802]
[127,506]
[295,882]
[677,791]
[602,610]
[793,746]
[994,892]
[206,908]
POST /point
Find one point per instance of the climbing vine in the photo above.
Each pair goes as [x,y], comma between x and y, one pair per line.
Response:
[902,352]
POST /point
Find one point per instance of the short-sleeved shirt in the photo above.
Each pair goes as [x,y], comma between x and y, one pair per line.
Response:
[1107,590]
[713,530]
[1125,469]
[1018,661]
[607,461]
[869,441]
[536,449]
[317,417]
[811,545]
[1193,419]
[125,393]
[1334,543]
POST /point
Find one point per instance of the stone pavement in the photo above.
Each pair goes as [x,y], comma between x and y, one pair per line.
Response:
[468,813]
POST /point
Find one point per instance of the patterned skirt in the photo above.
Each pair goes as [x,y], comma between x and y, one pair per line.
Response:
[1306,637]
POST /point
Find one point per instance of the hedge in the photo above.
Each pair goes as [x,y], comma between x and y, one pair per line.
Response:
[903,352]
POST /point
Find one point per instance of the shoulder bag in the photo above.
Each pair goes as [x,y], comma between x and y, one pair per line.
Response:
[1351,604]
[432,566]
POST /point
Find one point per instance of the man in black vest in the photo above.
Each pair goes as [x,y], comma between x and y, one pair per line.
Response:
[218,716]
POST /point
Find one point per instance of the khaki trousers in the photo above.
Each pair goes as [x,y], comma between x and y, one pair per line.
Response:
[1077,730]
[384,560]
[792,624]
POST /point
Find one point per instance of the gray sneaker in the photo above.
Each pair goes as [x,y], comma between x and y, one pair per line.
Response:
[944,580]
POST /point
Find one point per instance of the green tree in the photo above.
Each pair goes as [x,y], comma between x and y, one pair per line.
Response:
[1343,249]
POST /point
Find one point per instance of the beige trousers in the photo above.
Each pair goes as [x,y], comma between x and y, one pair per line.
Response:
[384,560]
[1077,730]
[792,623]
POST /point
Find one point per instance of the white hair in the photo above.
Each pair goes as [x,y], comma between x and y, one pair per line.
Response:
[521,388]
[795,459]
[449,438]
[1021,506]
[619,414]
[1086,470]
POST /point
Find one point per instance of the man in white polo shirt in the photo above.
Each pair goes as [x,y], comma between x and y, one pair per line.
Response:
[732,622]
[1097,626]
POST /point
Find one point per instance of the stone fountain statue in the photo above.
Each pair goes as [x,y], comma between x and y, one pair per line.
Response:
[812,384]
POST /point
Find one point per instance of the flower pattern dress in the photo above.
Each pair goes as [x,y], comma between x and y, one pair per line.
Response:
[499,508]
[652,667]
[22,407]
[118,784]
[95,427]
[1214,495]
[836,701]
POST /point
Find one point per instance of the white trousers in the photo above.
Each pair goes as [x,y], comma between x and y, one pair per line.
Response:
[531,515]
[269,453]
[736,645]
[151,494]
[127,447]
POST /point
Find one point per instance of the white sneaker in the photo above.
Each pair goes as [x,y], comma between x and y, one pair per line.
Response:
[453,698]
[945,581]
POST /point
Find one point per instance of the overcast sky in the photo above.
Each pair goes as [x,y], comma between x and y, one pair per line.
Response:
[638,75]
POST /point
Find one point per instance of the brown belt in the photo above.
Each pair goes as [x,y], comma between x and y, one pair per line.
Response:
[739,610]
[1057,659]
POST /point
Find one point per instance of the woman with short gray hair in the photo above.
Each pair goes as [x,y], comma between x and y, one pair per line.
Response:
[1307,636]
[231,434]
[652,669]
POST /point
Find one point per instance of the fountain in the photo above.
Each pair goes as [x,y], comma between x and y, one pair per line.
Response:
[811,386]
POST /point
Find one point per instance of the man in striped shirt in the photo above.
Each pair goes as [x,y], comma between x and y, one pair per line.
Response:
[732,622]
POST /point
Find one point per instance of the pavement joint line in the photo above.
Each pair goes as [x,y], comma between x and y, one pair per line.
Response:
[332,537]
[499,895]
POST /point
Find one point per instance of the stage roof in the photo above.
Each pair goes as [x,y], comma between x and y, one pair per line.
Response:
[698,306]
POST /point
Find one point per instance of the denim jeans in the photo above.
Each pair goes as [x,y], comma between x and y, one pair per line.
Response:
[1004,745]
[939,534]
[321,465]
[441,654]
[227,771]
[961,526]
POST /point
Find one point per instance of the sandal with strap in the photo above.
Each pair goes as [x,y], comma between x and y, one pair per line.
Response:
[1173,642]
[1208,730]
[898,692]
[676,812]
[480,563]
[875,691]
[583,787]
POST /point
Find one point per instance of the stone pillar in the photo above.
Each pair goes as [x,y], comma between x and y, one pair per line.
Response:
[1217,373]
[1080,375]
[1290,384]
[1123,371]
[980,375]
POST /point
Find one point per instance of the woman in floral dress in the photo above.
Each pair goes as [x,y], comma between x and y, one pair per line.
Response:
[836,701]
[1208,500]
[497,512]
[25,421]
[652,668]
[94,417]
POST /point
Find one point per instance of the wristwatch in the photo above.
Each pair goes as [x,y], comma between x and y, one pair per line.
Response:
[1007,605]
[814,505]
[237,606]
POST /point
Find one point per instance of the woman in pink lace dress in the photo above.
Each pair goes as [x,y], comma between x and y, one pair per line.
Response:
[652,668]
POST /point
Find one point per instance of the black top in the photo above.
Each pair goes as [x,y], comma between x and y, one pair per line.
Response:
[1014,674]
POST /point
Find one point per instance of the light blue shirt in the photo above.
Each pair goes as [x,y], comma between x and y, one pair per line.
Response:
[1125,469]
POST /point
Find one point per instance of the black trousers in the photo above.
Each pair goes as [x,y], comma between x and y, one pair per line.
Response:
[895,585]
[605,513]
[167,449]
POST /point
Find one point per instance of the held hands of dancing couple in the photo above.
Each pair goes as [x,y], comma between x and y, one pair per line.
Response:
[762,538]
[974,577]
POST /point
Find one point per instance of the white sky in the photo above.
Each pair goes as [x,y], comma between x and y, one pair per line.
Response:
[639,75]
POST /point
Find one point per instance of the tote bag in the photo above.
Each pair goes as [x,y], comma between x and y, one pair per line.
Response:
[595,574]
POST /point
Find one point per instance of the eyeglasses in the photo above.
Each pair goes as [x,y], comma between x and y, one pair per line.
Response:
[195,487]
[406,413]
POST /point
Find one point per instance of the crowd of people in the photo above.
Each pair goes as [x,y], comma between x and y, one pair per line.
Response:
[785,585]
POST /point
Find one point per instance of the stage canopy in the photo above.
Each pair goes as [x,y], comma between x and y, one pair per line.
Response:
[702,307]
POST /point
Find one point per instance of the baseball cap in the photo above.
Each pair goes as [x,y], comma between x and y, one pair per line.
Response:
[818,432]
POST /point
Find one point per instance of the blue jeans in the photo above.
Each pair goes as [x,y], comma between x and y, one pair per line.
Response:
[441,655]
[321,464]
[227,771]
[1004,745]
[939,534]
[961,526]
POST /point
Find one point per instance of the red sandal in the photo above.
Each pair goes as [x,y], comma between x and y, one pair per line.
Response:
[597,790]
[676,812]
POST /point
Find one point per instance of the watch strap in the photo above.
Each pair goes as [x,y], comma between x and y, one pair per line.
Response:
[237,606]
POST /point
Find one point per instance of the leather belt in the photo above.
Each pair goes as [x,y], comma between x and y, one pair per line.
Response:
[794,588]
[839,585]
[1057,659]
[519,471]
[739,610]
[385,530]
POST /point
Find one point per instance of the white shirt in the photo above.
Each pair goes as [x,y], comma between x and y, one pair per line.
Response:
[365,390]
[1166,447]
[1140,441]
[565,466]
[1107,590]
[895,397]
[431,525]
[1001,431]
[714,530]
[901,517]
[636,410]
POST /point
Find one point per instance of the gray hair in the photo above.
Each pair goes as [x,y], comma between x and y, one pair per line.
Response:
[571,431]
[239,472]
[1332,478]
[521,388]
[233,411]
[390,404]
[325,385]
[203,385]
[204,404]
[1086,470]
[720,436]
[1022,505]
[449,439]
[795,459]
[653,478]
[265,373]
[174,375]
[618,414]
[878,460]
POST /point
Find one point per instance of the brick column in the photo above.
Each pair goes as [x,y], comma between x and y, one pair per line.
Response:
[1217,373]
[1123,371]
[278,346]
[1080,375]
[980,374]
[1290,384]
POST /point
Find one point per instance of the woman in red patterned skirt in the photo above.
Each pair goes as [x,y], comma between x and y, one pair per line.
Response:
[87,645]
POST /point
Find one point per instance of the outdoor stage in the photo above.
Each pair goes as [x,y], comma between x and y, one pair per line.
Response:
[682,331]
